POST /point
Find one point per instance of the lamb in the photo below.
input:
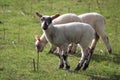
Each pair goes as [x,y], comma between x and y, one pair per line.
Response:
[62,35]
[65,18]
[96,20]
[41,42]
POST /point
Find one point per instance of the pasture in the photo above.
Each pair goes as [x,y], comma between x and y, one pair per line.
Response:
[19,25]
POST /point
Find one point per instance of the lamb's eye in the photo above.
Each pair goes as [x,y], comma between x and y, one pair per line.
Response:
[42,18]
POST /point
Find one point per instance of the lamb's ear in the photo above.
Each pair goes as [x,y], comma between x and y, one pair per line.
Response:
[37,38]
[55,16]
[39,15]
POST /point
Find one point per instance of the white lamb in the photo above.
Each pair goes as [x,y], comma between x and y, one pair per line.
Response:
[65,18]
[62,35]
[96,20]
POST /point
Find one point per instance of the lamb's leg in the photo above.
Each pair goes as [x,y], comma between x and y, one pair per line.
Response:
[61,65]
[74,47]
[87,61]
[101,33]
[106,41]
[52,49]
[94,42]
[70,48]
[65,57]
[82,60]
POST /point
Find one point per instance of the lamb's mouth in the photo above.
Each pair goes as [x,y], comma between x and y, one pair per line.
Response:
[45,28]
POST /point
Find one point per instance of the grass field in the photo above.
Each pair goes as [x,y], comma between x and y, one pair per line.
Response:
[19,25]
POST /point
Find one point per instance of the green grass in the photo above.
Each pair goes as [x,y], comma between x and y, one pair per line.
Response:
[19,25]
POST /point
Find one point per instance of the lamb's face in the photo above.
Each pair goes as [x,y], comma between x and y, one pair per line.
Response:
[46,21]
[38,44]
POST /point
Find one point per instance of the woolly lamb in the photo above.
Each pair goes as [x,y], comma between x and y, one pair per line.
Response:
[65,18]
[62,35]
[97,21]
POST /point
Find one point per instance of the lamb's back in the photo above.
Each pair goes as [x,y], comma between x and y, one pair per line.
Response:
[73,31]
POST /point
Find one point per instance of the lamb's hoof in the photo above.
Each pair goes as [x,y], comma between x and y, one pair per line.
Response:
[91,51]
[50,52]
[69,51]
[1,22]
[110,51]
[85,66]
[77,68]
[73,52]
[61,66]
[67,67]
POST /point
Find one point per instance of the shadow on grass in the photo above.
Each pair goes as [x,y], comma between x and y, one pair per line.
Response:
[97,75]
[103,77]
[94,75]
[108,57]
[114,57]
